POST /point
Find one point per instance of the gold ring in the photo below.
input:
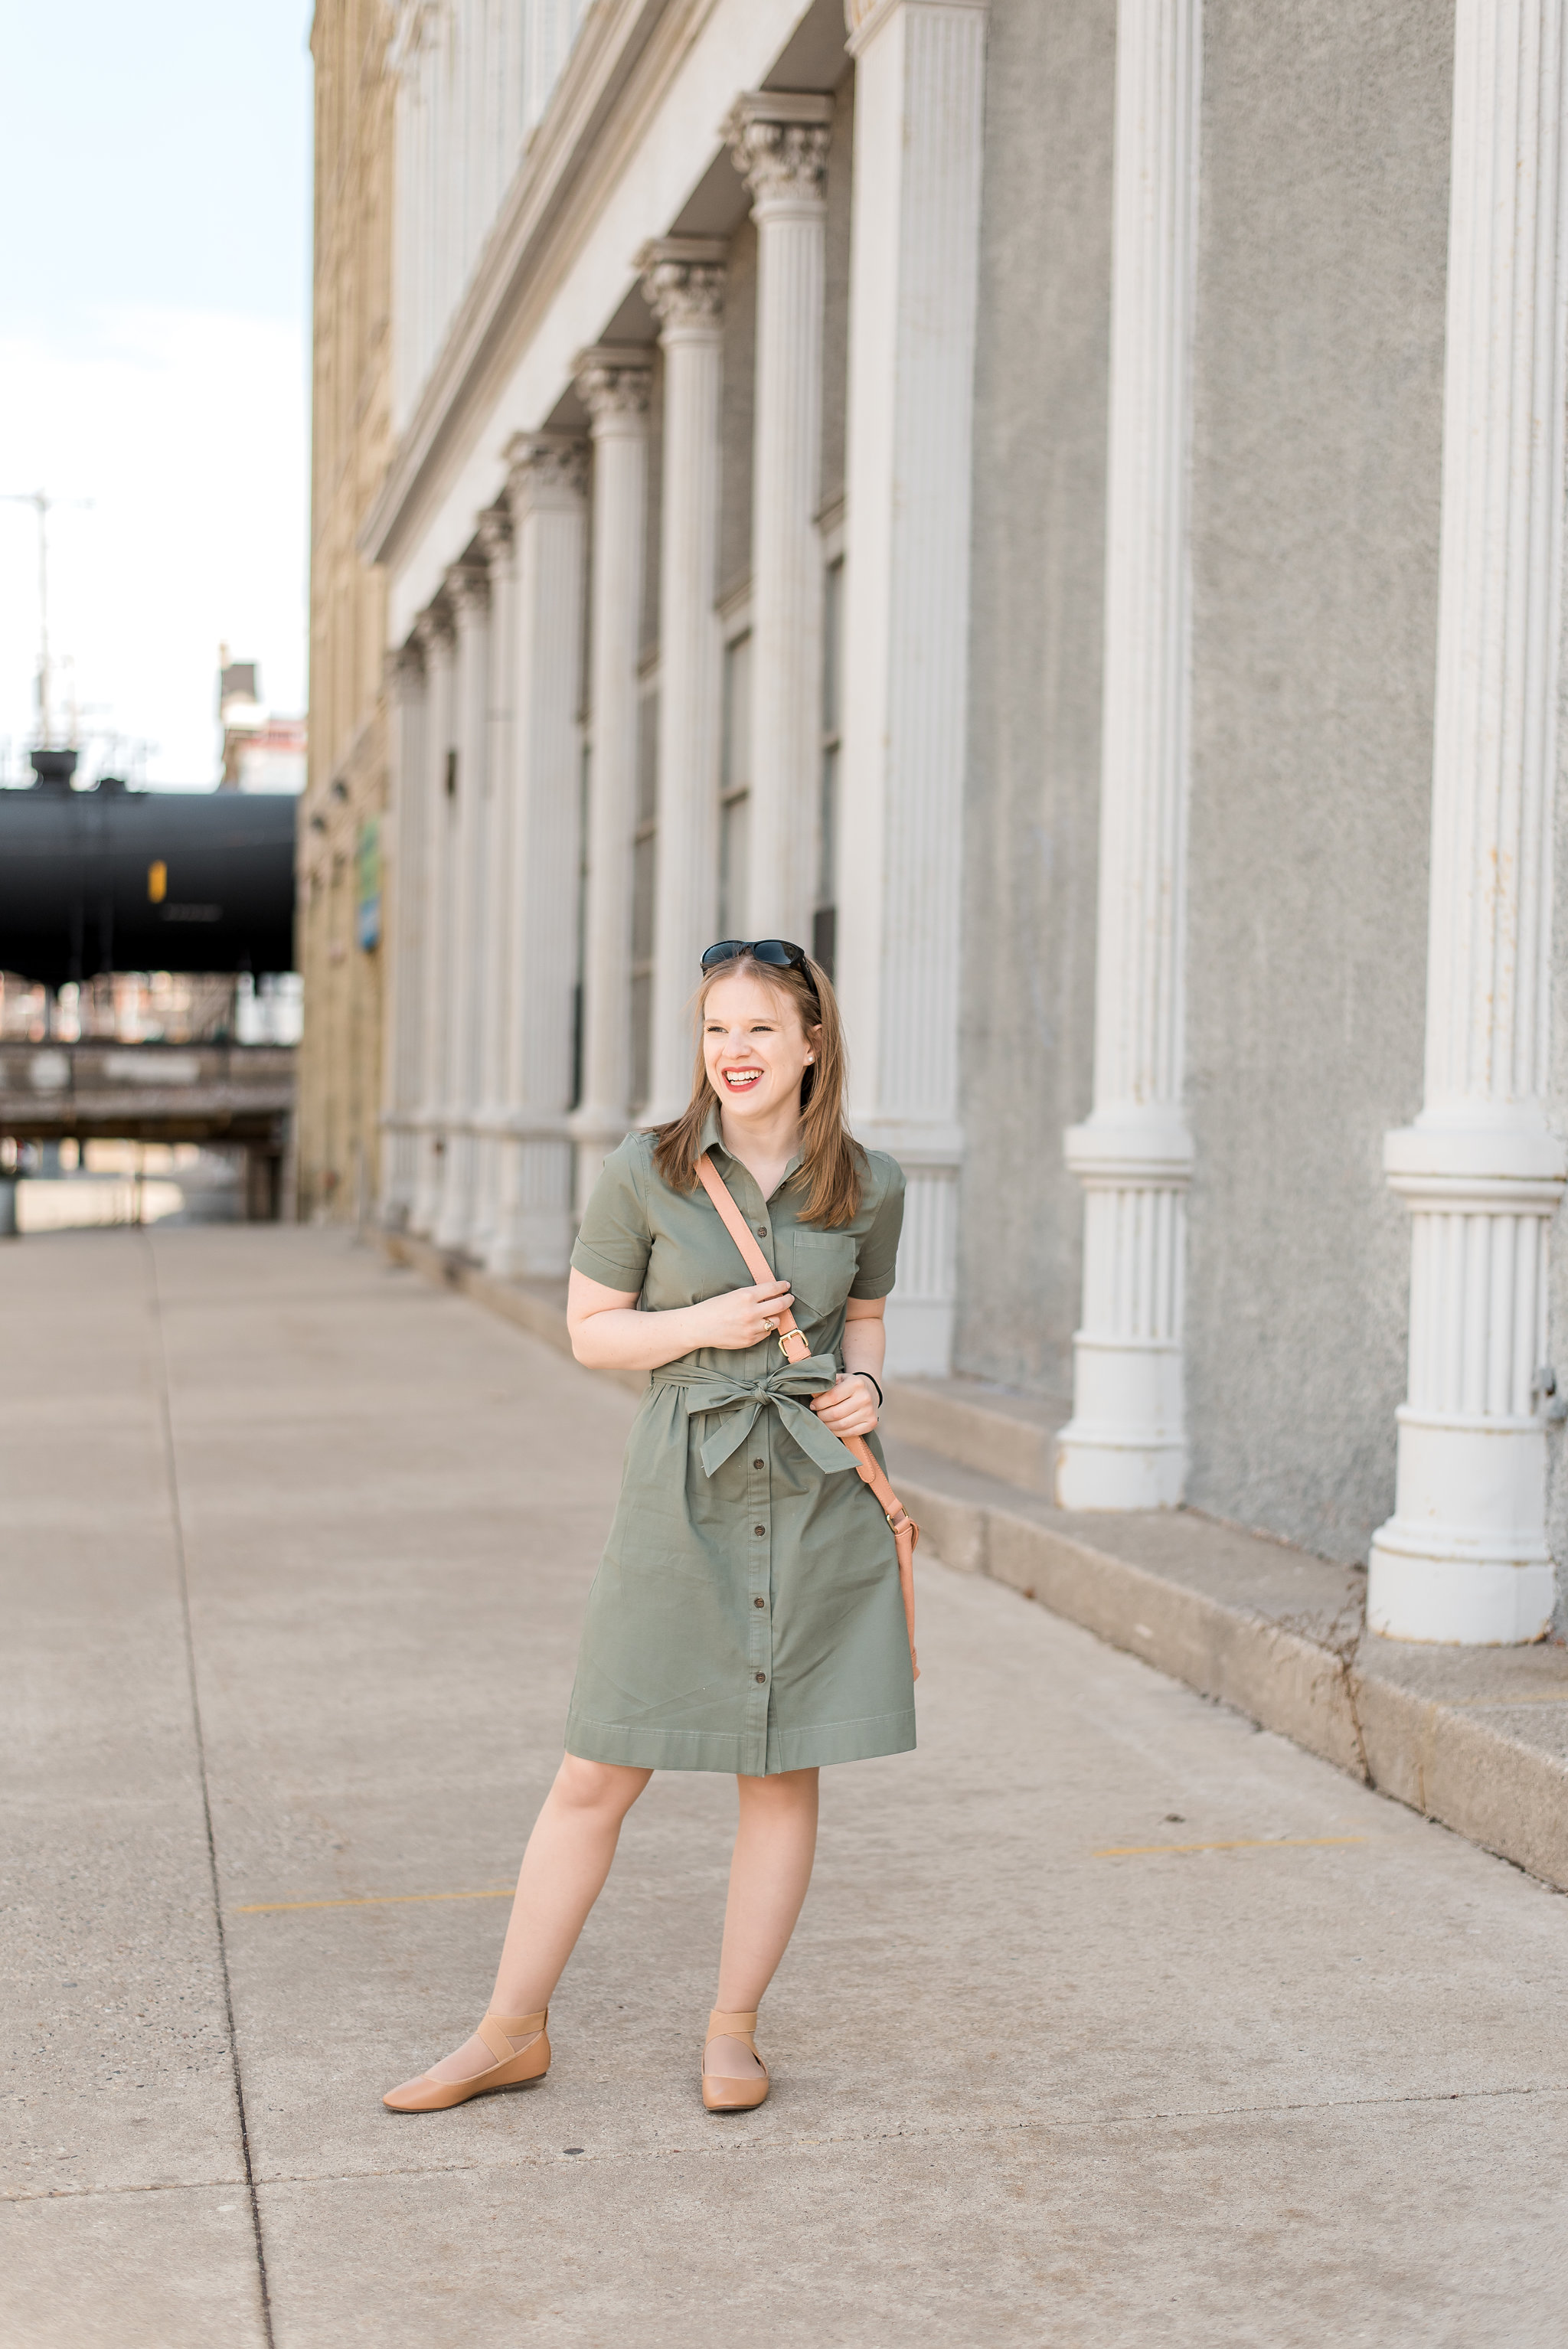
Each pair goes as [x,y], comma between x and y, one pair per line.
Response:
[770,1325]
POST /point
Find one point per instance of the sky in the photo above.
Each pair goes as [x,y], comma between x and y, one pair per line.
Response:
[154,304]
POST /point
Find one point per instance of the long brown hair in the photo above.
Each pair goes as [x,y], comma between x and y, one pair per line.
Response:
[831,1160]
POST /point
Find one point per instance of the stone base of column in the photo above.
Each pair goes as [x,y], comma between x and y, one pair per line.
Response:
[534,1228]
[454,1222]
[1463,1560]
[921,1310]
[484,1219]
[429,1166]
[594,1133]
[1124,1446]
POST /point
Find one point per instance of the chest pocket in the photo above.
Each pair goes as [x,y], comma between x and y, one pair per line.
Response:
[825,1264]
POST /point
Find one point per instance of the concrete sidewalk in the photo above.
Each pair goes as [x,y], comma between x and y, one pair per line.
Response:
[1111,2021]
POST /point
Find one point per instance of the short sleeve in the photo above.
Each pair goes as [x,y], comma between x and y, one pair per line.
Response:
[615,1242]
[878,1264]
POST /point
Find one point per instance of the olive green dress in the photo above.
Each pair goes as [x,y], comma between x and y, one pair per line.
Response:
[746,1615]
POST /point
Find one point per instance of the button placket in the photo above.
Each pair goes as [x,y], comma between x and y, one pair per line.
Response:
[759,1578]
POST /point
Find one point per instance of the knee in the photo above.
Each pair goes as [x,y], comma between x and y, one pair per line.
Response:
[785,1791]
[603,1787]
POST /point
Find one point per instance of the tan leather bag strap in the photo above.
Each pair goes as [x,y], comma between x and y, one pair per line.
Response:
[791,1337]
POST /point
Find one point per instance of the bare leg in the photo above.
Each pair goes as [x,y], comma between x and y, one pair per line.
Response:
[562,1874]
[774,1845]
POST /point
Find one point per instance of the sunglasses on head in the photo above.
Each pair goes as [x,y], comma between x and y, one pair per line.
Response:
[777,951]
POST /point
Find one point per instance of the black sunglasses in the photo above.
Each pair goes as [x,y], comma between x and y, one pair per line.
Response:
[780,952]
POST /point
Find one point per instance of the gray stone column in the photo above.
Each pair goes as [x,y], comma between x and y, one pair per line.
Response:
[403,941]
[438,641]
[920,79]
[1482,1170]
[1125,1445]
[468,585]
[779,141]
[684,279]
[494,1003]
[545,489]
[614,385]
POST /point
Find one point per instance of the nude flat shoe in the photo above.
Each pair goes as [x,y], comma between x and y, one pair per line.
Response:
[725,2096]
[511,2069]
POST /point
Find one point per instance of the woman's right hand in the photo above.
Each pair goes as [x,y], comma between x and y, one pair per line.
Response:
[740,1317]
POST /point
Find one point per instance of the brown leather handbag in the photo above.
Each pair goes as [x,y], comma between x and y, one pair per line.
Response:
[905,1532]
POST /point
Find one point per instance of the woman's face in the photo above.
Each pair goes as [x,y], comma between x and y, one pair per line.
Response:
[753,1047]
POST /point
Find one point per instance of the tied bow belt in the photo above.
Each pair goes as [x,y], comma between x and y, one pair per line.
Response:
[741,1400]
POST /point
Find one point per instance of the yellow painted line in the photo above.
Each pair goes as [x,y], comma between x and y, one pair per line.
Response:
[370,1900]
[1240,1843]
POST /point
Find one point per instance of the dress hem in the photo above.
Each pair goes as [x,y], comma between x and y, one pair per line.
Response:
[731,1751]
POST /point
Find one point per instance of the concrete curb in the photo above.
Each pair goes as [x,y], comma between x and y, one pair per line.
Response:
[1412,1723]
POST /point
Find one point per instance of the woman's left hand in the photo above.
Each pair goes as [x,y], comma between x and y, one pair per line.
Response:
[849,1405]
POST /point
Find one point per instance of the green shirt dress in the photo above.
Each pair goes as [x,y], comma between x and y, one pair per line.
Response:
[746,1615]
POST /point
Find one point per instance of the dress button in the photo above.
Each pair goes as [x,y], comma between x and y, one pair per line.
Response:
[762,1231]
[759,1602]
[760,1531]
[756,1463]
[760,1678]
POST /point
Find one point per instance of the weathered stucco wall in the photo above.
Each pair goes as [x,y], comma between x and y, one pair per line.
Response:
[1032,817]
[1319,350]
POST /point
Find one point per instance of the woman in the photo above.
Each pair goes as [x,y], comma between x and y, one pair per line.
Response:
[747,1615]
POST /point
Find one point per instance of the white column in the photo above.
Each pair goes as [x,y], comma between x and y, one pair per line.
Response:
[614,384]
[403,943]
[684,280]
[1464,1557]
[468,587]
[1125,1445]
[438,642]
[914,260]
[546,488]
[780,144]
[494,1001]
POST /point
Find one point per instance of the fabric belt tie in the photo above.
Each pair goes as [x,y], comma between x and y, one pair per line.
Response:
[740,1401]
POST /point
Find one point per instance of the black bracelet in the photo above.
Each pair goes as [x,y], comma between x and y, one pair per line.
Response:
[866,1374]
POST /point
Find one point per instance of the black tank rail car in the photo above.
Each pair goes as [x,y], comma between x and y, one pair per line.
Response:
[118,880]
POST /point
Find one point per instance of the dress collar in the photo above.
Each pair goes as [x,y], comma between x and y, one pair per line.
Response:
[713,1139]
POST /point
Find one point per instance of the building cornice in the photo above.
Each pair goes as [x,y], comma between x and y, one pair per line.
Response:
[617,76]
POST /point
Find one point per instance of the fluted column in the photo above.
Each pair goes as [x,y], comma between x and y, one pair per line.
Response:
[1125,1445]
[438,642]
[915,259]
[403,947]
[545,491]
[468,584]
[494,1008]
[1464,1557]
[614,384]
[684,280]
[780,145]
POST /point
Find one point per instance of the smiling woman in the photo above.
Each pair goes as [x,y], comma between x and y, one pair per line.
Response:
[748,1614]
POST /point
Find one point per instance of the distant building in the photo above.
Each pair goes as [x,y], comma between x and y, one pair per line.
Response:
[262,753]
[343,810]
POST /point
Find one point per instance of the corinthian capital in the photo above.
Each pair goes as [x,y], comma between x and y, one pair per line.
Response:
[779,142]
[683,277]
[542,466]
[403,668]
[494,532]
[468,584]
[613,382]
[433,627]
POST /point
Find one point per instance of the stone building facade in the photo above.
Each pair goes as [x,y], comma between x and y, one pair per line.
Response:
[1061,507]
[343,810]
